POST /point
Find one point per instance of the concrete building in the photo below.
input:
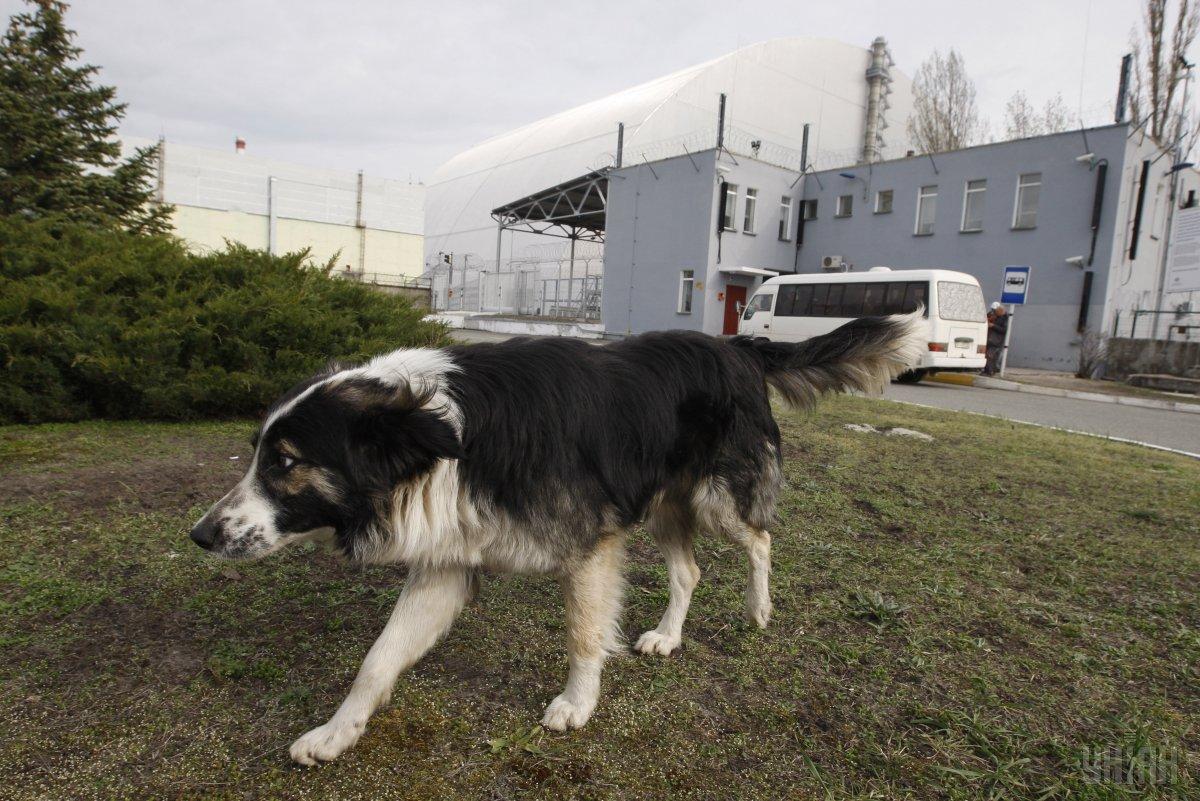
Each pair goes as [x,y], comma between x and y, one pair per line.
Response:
[1087,210]
[850,97]
[373,225]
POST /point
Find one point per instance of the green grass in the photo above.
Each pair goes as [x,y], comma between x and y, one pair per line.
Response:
[976,617]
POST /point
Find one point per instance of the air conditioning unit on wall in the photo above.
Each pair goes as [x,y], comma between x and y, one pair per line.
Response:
[833,264]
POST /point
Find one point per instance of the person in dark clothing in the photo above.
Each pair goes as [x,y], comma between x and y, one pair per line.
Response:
[997,327]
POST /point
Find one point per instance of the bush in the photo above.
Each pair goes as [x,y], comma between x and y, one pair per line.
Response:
[107,324]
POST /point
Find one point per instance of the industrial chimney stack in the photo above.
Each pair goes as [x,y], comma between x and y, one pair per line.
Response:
[879,81]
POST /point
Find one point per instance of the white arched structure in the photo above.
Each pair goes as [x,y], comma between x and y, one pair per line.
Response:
[773,89]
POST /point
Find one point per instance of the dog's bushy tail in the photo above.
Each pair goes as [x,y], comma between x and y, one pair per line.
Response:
[863,354]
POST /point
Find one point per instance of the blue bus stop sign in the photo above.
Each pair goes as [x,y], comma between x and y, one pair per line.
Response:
[1016,285]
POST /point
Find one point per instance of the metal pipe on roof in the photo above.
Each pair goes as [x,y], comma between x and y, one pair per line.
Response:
[721,124]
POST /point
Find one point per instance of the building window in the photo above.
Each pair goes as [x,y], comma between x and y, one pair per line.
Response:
[926,210]
[845,206]
[883,201]
[1029,189]
[687,280]
[785,218]
[730,207]
[751,205]
[809,209]
[972,217]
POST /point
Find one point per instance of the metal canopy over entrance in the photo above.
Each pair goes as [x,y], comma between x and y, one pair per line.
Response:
[573,210]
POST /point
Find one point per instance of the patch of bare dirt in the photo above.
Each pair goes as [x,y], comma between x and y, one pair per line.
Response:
[200,472]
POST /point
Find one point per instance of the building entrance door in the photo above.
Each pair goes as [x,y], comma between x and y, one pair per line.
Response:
[735,303]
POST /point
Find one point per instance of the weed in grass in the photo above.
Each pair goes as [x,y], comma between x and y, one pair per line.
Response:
[874,608]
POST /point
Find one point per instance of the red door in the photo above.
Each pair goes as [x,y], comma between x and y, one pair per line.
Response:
[735,302]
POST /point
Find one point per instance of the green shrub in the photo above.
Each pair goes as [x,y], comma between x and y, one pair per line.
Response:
[107,324]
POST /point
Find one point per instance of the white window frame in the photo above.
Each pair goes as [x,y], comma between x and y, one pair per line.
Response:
[846,210]
[749,211]
[891,193]
[687,281]
[967,192]
[785,219]
[810,208]
[731,196]
[924,192]
[1021,186]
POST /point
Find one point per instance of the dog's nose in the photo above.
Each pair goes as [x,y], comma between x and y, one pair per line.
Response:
[205,533]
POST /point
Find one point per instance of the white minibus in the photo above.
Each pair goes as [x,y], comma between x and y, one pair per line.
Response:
[792,308]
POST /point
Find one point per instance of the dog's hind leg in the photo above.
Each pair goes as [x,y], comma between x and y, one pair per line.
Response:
[430,602]
[593,588]
[717,513]
[757,543]
[671,532]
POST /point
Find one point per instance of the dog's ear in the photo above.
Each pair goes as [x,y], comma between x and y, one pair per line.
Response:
[397,438]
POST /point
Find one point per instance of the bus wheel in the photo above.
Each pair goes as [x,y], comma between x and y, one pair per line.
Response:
[910,376]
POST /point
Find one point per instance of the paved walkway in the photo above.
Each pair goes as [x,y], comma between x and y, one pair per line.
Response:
[1173,430]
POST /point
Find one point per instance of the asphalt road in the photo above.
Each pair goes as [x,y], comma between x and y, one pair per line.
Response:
[1178,431]
[1174,430]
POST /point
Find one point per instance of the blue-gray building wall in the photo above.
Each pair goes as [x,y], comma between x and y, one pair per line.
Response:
[658,223]
[1044,331]
[662,218]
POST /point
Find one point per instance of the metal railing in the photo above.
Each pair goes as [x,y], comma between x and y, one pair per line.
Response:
[545,282]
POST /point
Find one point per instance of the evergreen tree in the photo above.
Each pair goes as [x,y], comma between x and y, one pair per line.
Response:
[58,151]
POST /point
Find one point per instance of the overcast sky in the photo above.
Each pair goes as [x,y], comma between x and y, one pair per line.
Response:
[396,88]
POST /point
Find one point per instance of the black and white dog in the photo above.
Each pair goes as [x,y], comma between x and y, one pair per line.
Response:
[536,456]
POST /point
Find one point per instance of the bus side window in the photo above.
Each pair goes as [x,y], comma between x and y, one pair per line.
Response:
[833,306]
[800,306]
[916,295]
[895,298]
[819,295]
[783,303]
[852,300]
[873,300]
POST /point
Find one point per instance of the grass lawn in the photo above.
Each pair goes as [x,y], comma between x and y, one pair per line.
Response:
[1005,612]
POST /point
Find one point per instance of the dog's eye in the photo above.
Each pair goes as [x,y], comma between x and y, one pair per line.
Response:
[286,462]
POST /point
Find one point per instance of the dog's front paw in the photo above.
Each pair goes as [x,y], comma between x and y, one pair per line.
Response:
[758,610]
[566,713]
[324,743]
[655,642]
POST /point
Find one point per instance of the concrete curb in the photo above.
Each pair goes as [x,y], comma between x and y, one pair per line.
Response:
[485,322]
[962,379]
